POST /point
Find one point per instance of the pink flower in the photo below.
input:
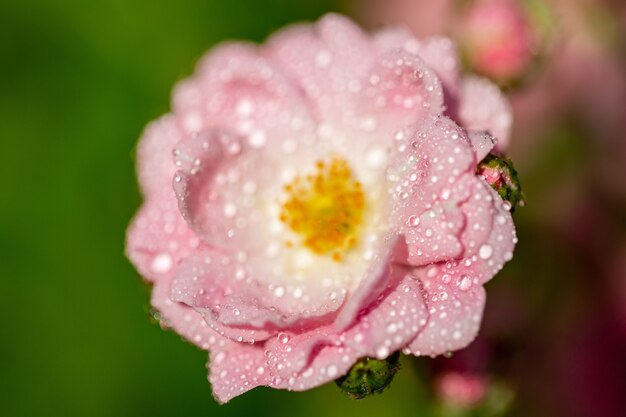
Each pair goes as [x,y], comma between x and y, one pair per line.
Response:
[320,206]
[498,38]
[461,389]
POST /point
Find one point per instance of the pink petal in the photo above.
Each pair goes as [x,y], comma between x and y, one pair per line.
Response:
[482,143]
[393,321]
[440,54]
[327,60]
[427,190]
[236,88]
[289,353]
[158,237]
[183,319]
[482,106]
[209,282]
[385,326]
[154,155]
[400,91]
[329,364]
[235,368]
[231,293]
[480,212]
[205,160]
[455,315]
[455,294]
[379,278]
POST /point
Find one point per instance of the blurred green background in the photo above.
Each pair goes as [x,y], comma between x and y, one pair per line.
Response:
[80,80]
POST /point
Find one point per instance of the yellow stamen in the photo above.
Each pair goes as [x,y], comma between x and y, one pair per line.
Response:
[325,208]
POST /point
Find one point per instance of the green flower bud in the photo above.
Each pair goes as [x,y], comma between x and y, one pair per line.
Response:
[499,172]
[369,376]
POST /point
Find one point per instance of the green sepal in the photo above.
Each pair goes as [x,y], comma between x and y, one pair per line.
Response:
[369,376]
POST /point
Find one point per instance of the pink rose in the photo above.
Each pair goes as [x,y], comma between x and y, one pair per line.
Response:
[498,38]
[308,202]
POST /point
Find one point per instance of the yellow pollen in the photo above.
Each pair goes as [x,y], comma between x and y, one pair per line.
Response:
[325,208]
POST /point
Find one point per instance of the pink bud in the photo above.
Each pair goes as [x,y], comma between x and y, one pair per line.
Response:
[461,389]
[497,38]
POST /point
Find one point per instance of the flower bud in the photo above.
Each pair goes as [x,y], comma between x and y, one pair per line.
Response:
[369,376]
[500,173]
[497,38]
[461,389]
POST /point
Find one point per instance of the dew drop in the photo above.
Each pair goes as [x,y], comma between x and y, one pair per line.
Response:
[413,221]
[161,263]
[257,139]
[230,210]
[485,251]
[279,291]
[382,352]
[465,283]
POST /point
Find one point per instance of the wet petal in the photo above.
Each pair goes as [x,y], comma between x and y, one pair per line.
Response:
[158,237]
[237,89]
[155,167]
[483,107]
[235,368]
[455,312]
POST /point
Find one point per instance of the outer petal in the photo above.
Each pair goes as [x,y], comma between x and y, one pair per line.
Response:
[391,322]
[440,54]
[155,167]
[230,292]
[482,106]
[235,368]
[429,181]
[327,60]
[455,316]
[208,161]
[213,285]
[482,142]
[455,294]
[158,237]
[183,319]
[237,89]
[384,326]
[400,91]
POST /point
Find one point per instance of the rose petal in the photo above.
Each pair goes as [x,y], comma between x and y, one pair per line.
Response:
[182,318]
[455,315]
[482,106]
[154,155]
[327,60]
[455,293]
[482,143]
[158,238]
[237,89]
[426,189]
[389,324]
[235,368]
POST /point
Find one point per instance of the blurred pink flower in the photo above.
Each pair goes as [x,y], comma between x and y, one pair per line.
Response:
[584,50]
[461,388]
[319,206]
[497,37]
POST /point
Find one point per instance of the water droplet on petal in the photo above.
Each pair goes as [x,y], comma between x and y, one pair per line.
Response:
[413,221]
[465,283]
[161,263]
[485,251]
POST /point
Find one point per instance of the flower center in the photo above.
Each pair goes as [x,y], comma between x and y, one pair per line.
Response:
[325,208]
